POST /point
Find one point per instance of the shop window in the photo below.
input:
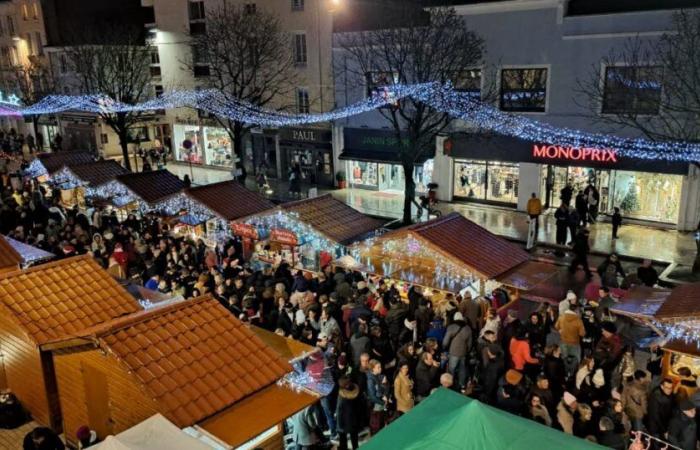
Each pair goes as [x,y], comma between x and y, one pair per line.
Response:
[302,101]
[632,90]
[647,196]
[378,81]
[300,48]
[468,81]
[490,181]
[523,90]
[297,5]
[218,147]
[362,173]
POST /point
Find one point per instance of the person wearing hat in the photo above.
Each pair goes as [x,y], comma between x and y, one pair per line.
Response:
[565,304]
[571,330]
[458,343]
[86,437]
[510,395]
[566,410]
[682,429]
[609,348]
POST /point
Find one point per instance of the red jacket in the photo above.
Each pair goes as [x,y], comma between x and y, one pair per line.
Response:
[520,354]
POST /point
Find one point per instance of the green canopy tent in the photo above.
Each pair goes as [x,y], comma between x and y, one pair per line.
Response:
[447,420]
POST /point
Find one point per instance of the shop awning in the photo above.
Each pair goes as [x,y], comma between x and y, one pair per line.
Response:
[256,414]
[379,157]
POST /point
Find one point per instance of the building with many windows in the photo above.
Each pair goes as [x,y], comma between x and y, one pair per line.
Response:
[538,77]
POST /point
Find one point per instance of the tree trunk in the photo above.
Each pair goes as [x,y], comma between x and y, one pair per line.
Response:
[124,144]
[409,191]
[237,150]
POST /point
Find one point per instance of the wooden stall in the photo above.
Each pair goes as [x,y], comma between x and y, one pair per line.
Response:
[10,259]
[147,191]
[83,180]
[191,361]
[312,232]
[49,302]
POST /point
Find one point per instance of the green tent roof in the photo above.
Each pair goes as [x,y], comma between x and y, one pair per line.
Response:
[447,420]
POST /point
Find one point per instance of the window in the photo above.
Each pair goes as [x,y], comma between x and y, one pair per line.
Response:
[158,89]
[155,57]
[35,10]
[10,26]
[297,5]
[25,11]
[200,62]
[39,44]
[14,59]
[196,10]
[377,82]
[524,90]
[468,81]
[103,138]
[198,28]
[30,46]
[250,8]
[632,90]
[300,48]
[63,64]
[302,101]
[155,71]
[5,57]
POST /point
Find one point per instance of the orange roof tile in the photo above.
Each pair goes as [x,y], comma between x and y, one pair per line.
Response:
[58,299]
[193,356]
[333,218]
[8,255]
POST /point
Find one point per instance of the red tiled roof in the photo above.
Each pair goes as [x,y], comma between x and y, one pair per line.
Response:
[53,162]
[98,172]
[154,186]
[8,255]
[230,199]
[333,218]
[474,246]
[683,302]
[61,298]
[193,356]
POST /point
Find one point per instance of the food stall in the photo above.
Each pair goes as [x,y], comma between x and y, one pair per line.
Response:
[310,233]
[78,181]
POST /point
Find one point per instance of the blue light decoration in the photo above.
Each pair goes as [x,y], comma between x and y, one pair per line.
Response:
[441,97]
[35,169]
[30,255]
[11,100]
[687,331]
[289,220]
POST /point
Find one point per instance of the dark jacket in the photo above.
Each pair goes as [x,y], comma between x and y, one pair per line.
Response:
[347,410]
[458,339]
[612,440]
[682,431]
[659,411]
[425,379]
[488,378]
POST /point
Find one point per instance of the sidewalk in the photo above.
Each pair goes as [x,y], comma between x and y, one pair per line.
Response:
[636,241]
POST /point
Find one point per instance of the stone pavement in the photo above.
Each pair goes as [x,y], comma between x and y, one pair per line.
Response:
[635,241]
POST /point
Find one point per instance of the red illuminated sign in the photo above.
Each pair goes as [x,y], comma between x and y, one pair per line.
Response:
[284,237]
[244,230]
[574,153]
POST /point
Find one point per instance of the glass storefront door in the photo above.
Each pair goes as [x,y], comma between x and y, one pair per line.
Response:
[390,177]
[555,178]
[489,181]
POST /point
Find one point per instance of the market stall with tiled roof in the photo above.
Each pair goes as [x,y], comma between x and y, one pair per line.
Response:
[309,233]
[188,360]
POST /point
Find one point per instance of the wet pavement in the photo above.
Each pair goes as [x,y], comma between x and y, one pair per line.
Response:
[636,241]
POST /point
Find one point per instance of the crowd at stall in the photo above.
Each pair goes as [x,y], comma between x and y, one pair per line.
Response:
[563,366]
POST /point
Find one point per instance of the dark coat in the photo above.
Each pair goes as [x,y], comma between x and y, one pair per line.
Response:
[659,411]
[682,431]
[347,410]
[488,378]
[425,379]
[612,440]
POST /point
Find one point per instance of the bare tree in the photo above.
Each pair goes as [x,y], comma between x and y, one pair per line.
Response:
[438,48]
[115,63]
[249,59]
[652,86]
[34,81]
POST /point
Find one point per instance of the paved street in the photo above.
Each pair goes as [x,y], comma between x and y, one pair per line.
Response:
[634,240]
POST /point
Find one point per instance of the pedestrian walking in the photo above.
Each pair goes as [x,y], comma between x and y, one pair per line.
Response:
[534,210]
[616,222]
[581,204]
[561,215]
[574,221]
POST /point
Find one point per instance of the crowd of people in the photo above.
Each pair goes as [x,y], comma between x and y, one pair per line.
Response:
[565,366]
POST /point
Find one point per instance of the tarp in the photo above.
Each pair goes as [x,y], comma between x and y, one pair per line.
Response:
[154,433]
[448,420]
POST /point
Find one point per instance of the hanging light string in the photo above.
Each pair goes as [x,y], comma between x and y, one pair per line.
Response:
[686,331]
[441,97]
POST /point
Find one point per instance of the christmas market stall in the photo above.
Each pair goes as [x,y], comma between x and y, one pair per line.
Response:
[449,255]
[307,233]
[85,180]
[143,192]
[191,361]
[217,205]
[18,255]
[45,165]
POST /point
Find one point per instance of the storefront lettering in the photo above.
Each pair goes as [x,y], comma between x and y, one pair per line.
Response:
[574,153]
[383,141]
[303,135]
[284,237]
[244,230]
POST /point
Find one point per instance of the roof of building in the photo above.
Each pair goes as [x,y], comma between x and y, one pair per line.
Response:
[53,162]
[230,199]
[470,244]
[98,172]
[682,303]
[333,218]
[152,187]
[9,257]
[60,298]
[193,356]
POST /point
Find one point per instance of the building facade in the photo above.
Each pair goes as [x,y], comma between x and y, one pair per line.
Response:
[538,77]
[309,25]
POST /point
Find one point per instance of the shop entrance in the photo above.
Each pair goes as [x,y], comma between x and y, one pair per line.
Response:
[555,178]
[391,177]
[486,181]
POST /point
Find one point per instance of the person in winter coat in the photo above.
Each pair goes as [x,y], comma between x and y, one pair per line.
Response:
[571,330]
[566,411]
[359,344]
[305,424]
[561,215]
[682,428]
[378,395]
[347,412]
[458,343]
[403,390]
[608,437]
[520,351]
[426,374]
[660,408]
[538,412]
[634,398]
[490,373]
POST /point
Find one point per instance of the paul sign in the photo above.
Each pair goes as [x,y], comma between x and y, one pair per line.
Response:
[574,153]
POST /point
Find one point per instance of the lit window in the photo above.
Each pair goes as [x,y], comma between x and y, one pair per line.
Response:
[300,48]
[302,101]
[524,90]
[378,81]
[632,90]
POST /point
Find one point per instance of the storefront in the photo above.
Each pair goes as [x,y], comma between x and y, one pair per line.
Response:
[312,150]
[210,145]
[492,169]
[371,160]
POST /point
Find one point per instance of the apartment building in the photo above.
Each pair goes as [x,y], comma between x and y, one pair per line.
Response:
[309,27]
[537,51]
